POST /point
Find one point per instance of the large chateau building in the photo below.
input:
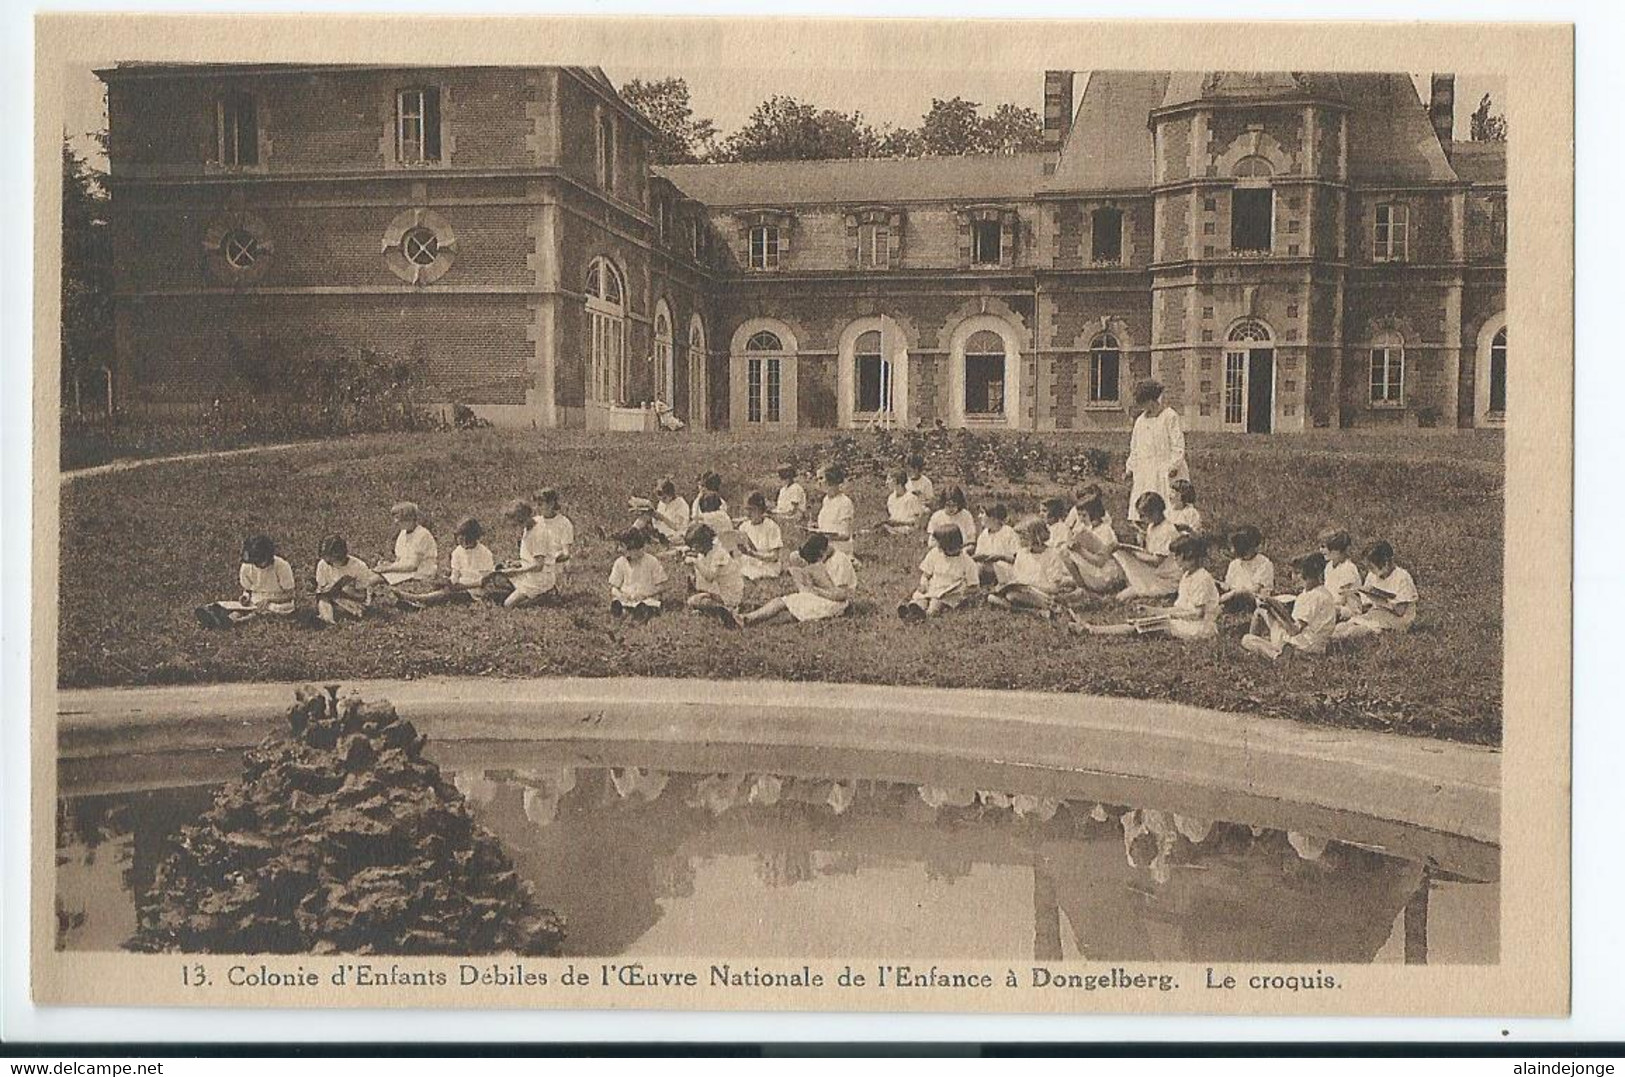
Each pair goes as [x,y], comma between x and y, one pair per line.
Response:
[1283,251]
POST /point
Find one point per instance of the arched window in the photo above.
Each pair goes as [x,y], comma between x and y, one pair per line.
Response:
[1250,331]
[1388,371]
[1253,167]
[1498,375]
[871,376]
[698,418]
[1249,377]
[665,363]
[872,372]
[1105,370]
[764,378]
[984,374]
[1252,207]
[606,329]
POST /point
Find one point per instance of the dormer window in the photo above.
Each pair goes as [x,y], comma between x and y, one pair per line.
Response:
[987,236]
[417,126]
[237,138]
[987,242]
[874,238]
[874,245]
[764,246]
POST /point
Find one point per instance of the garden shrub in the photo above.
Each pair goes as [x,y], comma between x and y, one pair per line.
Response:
[968,457]
[341,838]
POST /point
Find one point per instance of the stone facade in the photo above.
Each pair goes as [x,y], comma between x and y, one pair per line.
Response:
[1282,252]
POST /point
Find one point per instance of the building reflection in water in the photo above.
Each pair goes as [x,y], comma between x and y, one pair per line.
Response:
[644,861]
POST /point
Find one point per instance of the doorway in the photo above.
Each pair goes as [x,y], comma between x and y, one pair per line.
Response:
[1261,390]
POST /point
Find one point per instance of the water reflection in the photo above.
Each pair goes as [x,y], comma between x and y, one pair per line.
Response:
[648,862]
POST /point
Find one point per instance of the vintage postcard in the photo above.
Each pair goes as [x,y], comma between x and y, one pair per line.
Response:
[753,514]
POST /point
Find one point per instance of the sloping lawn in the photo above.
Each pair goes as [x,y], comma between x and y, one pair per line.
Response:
[141,548]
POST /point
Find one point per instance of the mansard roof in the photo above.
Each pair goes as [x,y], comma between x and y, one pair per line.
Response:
[877,180]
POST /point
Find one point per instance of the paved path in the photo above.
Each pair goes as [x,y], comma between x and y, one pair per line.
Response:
[146,461]
[1437,785]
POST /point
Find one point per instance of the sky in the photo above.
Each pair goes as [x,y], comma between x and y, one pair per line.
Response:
[728,95]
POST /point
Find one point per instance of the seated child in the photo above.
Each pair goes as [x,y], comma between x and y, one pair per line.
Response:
[953,514]
[918,484]
[997,547]
[1184,514]
[761,542]
[713,514]
[826,579]
[1306,625]
[345,586]
[1195,612]
[1083,495]
[710,483]
[1342,574]
[717,585]
[666,518]
[266,581]
[948,577]
[536,573]
[1386,601]
[1042,576]
[1250,574]
[635,580]
[791,504]
[472,563]
[1055,514]
[1151,571]
[415,569]
[904,509]
[837,515]
[1094,541]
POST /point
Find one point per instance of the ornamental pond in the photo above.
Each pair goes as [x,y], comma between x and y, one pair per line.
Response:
[707,851]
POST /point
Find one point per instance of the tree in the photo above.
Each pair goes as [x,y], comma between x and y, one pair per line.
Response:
[1012,129]
[1487,127]
[785,129]
[951,127]
[682,138]
[87,271]
[957,126]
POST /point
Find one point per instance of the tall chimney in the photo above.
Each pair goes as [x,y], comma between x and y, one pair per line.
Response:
[1442,111]
[1057,108]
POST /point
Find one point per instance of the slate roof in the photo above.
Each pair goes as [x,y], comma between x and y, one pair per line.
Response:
[1109,147]
[1480,162]
[881,180]
[1391,139]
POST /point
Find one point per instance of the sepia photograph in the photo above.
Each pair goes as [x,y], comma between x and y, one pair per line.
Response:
[894,529]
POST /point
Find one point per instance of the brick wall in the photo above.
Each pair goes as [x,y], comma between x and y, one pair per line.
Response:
[177,348]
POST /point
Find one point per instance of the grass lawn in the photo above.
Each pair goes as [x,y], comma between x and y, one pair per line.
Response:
[141,548]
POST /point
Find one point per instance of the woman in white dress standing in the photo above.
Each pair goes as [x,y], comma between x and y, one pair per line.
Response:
[1156,451]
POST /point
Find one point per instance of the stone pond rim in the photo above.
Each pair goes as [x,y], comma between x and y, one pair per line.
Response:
[1441,786]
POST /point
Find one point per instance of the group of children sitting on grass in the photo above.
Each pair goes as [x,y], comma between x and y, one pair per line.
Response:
[1068,559]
